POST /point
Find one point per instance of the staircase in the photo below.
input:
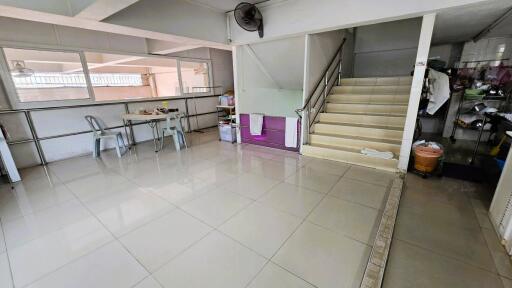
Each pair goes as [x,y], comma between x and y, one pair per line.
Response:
[361,113]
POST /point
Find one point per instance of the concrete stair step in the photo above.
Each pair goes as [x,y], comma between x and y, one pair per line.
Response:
[368,99]
[354,142]
[372,90]
[381,81]
[358,130]
[386,121]
[348,155]
[362,125]
[367,108]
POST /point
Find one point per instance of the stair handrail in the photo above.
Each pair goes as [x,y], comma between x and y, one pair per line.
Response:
[326,79]
[326,69]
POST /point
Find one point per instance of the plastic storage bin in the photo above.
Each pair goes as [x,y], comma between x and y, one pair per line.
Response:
[227,133]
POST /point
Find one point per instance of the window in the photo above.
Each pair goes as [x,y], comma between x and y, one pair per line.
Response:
[120,77]
[195,77]
[46,75]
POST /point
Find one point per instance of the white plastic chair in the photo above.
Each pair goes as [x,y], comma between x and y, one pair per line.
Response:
[174,129]
[100,133]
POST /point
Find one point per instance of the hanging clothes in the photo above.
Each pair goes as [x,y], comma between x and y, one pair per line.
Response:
[290,132]
[439,90]
[255,123]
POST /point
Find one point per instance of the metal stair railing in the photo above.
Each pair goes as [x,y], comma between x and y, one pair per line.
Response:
[317,98]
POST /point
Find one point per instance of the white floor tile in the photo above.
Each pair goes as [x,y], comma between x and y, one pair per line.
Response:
[273,276]
[298,201]
[323,258]
[216,207]
[183,190]
[123,212]
[76,168]
[155,243]
[360,192]
[269,168]
[215,175]
[215,262]
[250,185]
[97,185]
[149,282]
[108,267]
[26,228]
[261,228]
[327,166]
[369,175]
[313,179]
[45,254]
[352,220]
[30,198]
[5,272]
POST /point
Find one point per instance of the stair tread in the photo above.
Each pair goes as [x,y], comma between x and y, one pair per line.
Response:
[373,104]
[333,101]
[362,138]
[358,95]
[346,149]
[384,127]
[370,114]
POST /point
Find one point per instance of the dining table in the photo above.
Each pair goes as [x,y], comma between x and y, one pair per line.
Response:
[152,120]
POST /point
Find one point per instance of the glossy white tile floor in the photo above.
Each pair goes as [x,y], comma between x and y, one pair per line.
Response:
[443,238]
[214,215]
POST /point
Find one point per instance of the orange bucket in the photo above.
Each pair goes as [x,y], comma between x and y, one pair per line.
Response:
[426,158]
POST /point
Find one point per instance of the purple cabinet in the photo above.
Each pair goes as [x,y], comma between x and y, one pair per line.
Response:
[272,134]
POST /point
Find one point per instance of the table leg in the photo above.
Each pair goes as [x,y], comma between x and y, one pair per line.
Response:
[127,136]
[478,141]
[157,127]
[153,127]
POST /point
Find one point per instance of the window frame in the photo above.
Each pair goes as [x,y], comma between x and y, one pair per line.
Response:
[15,103]
[210,76]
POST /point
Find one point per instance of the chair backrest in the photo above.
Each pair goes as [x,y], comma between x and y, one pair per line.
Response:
[174,122]
[95,125]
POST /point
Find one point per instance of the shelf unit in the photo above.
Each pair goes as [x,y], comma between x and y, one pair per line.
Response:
[226,116]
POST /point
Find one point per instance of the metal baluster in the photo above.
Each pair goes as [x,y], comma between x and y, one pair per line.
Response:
[35,138]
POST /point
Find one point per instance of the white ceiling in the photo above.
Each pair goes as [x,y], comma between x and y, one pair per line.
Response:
[463,23]
[222,5]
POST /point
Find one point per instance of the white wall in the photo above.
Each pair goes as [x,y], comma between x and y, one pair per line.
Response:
[270,77]
[291,18]
[386,49]
[222,62]
[320,49]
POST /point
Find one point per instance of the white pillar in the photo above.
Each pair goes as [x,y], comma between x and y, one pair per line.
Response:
[236,54]
[427,26]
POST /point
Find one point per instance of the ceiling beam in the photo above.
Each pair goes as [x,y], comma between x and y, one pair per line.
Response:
[101,9]
[31,15]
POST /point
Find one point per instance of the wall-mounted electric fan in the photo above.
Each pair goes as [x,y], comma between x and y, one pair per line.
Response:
[249,17]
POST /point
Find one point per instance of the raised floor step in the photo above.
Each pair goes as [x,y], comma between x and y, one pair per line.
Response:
[371,90]
[367,108]
[352,156]
[387,121]
[402,99]
[355,142]
[358,130]
[399,80]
